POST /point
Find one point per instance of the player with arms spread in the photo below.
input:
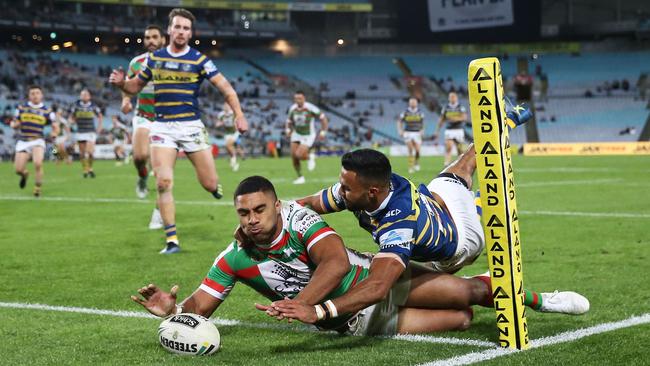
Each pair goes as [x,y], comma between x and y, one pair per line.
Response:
[410,125]
[302,131]
[30,119]
[177,72]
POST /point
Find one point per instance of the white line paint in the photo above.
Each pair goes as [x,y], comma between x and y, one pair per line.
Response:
[232,322]
[210,202]
[629,215]
[564,337]
[568,182]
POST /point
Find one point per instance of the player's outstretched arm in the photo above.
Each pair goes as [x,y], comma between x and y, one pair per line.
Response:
[384,272]
[313,202]
[231,98]
[163,304]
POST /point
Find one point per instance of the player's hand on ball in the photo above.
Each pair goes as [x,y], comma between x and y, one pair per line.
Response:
[294,309]
[157,301]
[241,123]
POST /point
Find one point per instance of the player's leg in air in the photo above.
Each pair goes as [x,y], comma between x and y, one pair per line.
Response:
[38,153]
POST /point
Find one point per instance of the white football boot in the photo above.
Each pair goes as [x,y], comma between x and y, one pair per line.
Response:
[156,220]
[565,302]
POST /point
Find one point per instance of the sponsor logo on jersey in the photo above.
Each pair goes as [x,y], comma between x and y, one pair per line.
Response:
[185,320]
[210,67]
[186,67]
[171,65]
[394,212]
[402,238]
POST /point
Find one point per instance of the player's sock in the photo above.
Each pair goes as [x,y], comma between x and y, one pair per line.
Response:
[142,172]
[37,189]
[218,193]
[170,232]
[532,299]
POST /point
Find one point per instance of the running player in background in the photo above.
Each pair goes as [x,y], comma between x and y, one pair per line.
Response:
[300,127]
[84,112]
[455,115]
[226,121]
[30,119]
[119,135]
[410,125]
[144,116]
[177,72]
[64,139]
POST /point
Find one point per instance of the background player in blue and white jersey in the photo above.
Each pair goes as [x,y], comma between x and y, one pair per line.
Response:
[84,112]
[177,72]
[410,125]
[455,115]
[302,131]
[30,119]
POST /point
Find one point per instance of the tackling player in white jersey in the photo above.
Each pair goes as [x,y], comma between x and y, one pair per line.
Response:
[300,127]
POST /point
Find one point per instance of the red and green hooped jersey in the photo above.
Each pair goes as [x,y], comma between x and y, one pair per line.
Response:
[228,122]
[303,118]
[284,267]
[146,98]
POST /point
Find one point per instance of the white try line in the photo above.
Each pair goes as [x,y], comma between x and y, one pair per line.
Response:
[232,322]
[212,202]
[564,337]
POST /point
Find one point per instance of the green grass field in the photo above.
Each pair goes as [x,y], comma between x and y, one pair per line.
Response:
[584,227]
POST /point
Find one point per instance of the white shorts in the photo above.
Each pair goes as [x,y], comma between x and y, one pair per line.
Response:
[307,140]
[190,136]
[117,142]
[141,122]
[28,146]
[457,134]
[460,204]
[85,137]
[381,318]
[413,136]
[231,137]
[60,140]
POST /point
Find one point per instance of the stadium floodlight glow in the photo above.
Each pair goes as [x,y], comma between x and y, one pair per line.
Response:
[53,35]
[34,37]
[67,44]
[127,40]
[139,40]
[214,42]
[197,42]
[340,42]
[96,39]
[56,47]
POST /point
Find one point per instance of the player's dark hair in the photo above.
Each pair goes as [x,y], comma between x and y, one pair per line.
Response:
[181,13]
[370,165]
[34,86]
[255,183]
[299,92]
[156,27]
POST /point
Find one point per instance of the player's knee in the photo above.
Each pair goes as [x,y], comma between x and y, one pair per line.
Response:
[164,184]
[465,319]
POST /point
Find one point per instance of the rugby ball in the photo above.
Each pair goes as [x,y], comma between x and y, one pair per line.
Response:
[189,334]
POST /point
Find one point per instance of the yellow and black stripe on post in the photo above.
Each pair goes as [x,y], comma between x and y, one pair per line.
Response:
[498,198]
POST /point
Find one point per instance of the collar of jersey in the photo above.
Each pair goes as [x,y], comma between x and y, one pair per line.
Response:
[179,54]
[85,104]
[412,110]
[383,205]
[39,105]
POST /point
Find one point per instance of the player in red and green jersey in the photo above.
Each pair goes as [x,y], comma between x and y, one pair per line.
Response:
[154,39]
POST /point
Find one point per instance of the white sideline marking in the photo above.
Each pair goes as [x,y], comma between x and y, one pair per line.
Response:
[568,182]
[210,202]
[588,214]
[231,322]
[563,337]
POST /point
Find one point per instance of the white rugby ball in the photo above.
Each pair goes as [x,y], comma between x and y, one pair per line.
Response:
[189,334]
